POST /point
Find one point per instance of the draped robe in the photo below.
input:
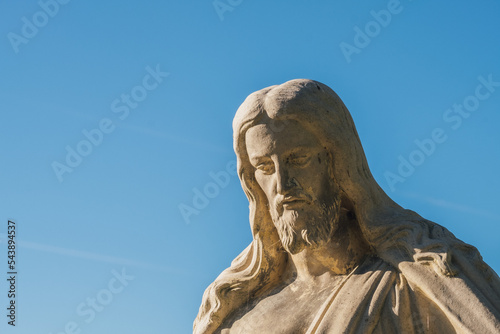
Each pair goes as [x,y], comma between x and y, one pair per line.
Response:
[378,298]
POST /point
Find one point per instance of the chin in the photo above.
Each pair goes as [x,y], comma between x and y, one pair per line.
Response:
[299,229]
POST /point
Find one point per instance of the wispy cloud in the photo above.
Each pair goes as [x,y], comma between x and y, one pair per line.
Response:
[451,205]
[162,134]
[85,255]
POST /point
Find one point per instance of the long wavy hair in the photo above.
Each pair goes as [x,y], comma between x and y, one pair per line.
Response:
[394,234]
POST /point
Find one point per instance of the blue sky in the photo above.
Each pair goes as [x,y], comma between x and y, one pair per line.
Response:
[156,84]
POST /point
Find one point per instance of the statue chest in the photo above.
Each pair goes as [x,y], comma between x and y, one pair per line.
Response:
[289,310]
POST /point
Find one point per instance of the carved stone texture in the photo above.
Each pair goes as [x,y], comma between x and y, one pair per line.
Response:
[331,252]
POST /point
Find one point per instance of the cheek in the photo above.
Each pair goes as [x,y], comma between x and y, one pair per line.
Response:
[265,183]
[316,179]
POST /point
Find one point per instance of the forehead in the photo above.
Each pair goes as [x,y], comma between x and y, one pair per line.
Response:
[279,137]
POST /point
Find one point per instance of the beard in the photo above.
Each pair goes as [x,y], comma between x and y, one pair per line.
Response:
[312,226]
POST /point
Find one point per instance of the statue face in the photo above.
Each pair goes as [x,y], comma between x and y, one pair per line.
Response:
[292,169]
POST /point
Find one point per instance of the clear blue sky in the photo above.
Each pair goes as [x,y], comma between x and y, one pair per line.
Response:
[88,66]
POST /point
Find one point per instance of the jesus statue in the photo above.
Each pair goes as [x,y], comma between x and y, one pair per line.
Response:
[331,252]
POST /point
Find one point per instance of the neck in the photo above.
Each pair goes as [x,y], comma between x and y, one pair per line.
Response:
[339,256]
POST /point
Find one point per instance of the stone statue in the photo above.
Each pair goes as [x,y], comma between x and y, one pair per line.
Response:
[331,252]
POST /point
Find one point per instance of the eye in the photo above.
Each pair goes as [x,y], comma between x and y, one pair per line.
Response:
[300,160]
[266,167]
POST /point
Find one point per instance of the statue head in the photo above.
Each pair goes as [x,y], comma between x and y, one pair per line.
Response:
[317,155]
[302,167]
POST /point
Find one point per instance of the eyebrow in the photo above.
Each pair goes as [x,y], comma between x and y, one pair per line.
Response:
[300,149]
[292,151]
[255,159]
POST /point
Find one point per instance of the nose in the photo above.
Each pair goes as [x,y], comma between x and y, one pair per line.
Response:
[283,180]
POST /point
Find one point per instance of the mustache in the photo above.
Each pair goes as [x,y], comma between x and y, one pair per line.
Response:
[281,200]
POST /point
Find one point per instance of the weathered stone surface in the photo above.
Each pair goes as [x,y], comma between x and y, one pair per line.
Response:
[331,252]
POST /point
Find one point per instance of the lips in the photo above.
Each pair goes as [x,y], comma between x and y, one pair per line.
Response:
[291,202]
